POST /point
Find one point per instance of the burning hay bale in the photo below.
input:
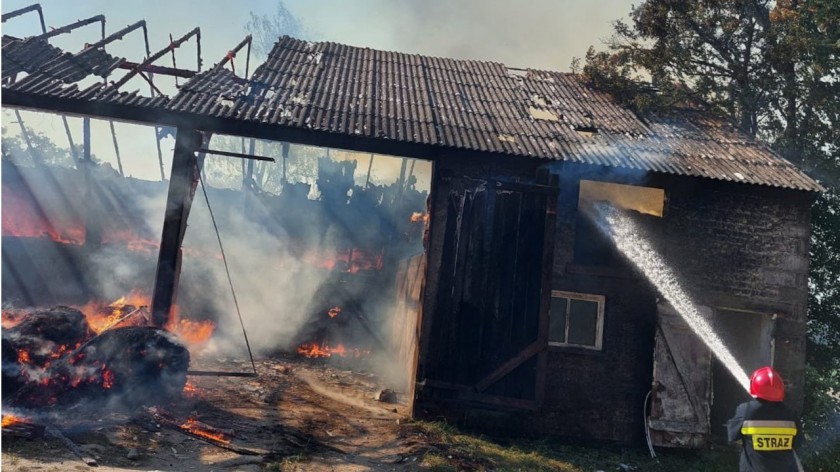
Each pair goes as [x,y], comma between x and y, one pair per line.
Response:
[45,335]
[38,339]
[12,379]
[135,365]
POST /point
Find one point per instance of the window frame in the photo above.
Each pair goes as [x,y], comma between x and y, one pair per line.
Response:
[599,322]
[611,259]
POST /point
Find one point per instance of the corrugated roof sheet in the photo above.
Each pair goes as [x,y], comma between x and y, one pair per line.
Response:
[460,104]
[33,55]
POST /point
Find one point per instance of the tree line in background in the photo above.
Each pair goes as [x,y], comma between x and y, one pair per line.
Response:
[772,69]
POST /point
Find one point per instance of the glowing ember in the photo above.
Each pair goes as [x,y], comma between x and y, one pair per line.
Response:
[12,318]
[334,311]
[191,391]
[23,357]
[351,260]
[194,427]
[417,217]
[131,240]
[62,348]
[107,378]
[314,350]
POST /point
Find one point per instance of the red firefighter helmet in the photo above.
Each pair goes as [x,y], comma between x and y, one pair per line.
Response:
[767,384]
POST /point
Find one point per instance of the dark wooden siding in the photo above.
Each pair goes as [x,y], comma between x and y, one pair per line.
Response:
[487,334]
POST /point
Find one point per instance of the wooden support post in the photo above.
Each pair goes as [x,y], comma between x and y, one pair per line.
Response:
[248,177]
[93,227]
[70,140]
[160,153]
[116,149]
[370,167]
[182,184]
[33,153]
[402,180]
[285,154]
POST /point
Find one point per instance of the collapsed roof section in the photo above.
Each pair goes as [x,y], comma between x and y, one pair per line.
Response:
[403,104]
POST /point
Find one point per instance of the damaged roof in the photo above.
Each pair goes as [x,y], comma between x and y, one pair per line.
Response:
[363,96]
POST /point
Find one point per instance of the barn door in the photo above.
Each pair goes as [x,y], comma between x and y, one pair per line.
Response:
[408,317]
[489,328]
[679,415]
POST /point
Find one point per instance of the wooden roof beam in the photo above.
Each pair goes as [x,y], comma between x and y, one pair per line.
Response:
[21,11]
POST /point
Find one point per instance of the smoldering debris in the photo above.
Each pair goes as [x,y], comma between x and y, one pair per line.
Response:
[52,359]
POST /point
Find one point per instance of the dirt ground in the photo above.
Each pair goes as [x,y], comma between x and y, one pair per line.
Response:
[296,414]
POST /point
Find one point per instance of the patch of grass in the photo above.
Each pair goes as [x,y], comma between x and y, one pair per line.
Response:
[452,449]
[436,463]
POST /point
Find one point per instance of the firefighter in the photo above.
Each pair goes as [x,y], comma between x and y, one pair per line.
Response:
[769,431]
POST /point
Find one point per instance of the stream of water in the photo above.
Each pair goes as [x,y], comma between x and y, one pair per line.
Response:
[632,243]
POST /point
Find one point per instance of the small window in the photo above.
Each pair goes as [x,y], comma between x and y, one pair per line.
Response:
[576,319]
[592,246]
[645,200]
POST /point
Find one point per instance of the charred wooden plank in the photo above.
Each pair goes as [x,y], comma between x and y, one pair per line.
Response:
[23,429]
[190,427]
[510,365]
[76,450]
[217,373]
[550,222]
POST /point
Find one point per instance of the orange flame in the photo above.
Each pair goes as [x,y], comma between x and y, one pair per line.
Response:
[11,420]
[417,217]
[334,311]
[351,260]
[12,318]
[62,348]
[191,391]
[23,357]
[315,350]
[101,315]
[194,427]
[193,333]
[107,378]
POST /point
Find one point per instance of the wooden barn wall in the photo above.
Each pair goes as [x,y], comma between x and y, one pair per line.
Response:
[732,246]
[747,248]
[480,308]
[594,394]
[737,246]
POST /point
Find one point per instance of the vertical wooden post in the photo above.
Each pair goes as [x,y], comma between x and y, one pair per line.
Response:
[36,157]
[285,152]
[93,227]
[248,174]
[252,148]
[160,153]
[117,149]
[70,140]
[182,184]
[370,167]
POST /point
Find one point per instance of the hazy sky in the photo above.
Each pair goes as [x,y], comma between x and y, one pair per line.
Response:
[544,34]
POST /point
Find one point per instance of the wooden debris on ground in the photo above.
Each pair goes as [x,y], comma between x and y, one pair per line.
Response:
[76,450]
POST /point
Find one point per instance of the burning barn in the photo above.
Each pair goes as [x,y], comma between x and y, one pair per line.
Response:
[574,253]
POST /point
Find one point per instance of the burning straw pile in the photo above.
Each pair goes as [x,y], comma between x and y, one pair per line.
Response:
[55,359]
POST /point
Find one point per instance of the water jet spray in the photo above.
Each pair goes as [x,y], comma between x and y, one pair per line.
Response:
[628,238]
